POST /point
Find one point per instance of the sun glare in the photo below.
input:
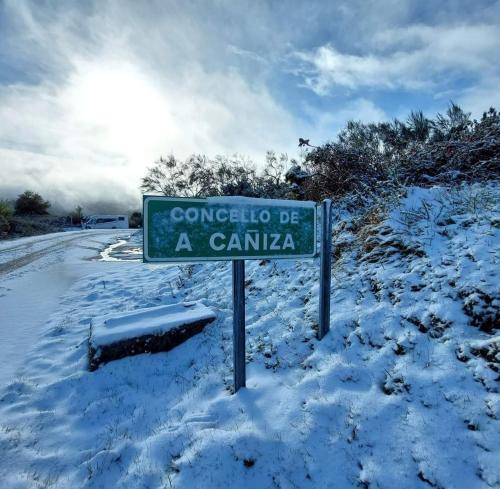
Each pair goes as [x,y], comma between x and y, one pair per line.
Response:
[121,107]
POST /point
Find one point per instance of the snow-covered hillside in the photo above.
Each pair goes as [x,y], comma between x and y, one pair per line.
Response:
[402,393]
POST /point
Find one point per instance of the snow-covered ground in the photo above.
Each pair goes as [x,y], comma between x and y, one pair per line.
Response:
[34,273]
[402,393]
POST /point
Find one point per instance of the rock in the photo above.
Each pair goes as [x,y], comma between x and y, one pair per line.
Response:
[150,330]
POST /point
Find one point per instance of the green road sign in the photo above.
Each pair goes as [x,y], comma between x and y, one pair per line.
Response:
[227,228]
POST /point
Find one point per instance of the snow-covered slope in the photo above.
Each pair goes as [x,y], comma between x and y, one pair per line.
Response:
[403,392]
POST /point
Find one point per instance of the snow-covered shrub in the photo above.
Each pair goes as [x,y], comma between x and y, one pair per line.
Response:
[394,383]
[487,350]
[200,176]
[371,157]
[364,160]
[482,308]
[351,163]
[33,225]
[470,152]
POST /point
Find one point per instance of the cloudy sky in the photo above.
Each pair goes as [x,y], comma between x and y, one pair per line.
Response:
[92,92]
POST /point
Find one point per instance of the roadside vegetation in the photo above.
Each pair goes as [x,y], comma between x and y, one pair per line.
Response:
[363,162]
[135,220]
[31,203]
[27,215]
[200,176]
[6,212]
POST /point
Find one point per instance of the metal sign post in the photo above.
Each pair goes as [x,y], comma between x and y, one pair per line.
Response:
[239,324]
[325,268]
[229,228]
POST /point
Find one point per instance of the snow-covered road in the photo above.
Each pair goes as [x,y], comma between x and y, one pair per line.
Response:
[34,274]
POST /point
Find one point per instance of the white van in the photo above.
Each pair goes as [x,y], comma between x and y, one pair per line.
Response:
[106,222]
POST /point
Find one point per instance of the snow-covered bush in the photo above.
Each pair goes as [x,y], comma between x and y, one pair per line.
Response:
[351,163]
[364,161]
[200,176]
[370,157]
[470,152]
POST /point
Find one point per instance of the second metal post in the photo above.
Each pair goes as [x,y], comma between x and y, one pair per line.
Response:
[325,268]
[239,324]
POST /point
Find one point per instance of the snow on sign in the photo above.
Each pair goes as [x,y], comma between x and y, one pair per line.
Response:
[227,228]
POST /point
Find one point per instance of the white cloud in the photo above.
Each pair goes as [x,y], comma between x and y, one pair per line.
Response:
[110,120]
[103,113]
[415,58]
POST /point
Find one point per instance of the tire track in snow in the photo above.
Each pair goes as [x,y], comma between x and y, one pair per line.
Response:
[32,295]
[16,263]
[24,260]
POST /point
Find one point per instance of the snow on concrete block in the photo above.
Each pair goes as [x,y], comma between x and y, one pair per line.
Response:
[149,330]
